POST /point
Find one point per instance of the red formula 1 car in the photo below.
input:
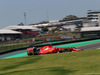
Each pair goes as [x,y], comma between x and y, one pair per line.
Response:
[49,49]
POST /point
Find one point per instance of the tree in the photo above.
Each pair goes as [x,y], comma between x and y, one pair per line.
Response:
[21,24]
[70,17]
[45,29]
[42,22]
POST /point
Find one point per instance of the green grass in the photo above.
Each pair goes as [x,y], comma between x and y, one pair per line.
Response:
[4,48]
[76,63]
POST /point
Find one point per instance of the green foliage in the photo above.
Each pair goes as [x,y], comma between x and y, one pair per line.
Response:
[45,29]
[70,17]
[21,24]
[42,22]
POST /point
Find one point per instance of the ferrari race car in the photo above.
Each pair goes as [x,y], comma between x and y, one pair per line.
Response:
[49,49]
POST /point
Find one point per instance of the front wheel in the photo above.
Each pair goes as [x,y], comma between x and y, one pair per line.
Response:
[62,51]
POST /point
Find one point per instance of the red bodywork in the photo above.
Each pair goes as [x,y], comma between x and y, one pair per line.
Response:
[74,49]
[50,49]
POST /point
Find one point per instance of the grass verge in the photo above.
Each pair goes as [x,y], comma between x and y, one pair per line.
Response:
[76,63]
[4,48]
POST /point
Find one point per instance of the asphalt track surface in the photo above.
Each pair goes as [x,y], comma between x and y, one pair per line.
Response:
[90,46]
[80,45]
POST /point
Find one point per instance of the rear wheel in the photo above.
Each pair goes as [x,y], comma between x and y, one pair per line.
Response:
[30,53]
[62,51]
[66,50]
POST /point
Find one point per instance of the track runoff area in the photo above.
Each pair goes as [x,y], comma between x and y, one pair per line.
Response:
[94,44]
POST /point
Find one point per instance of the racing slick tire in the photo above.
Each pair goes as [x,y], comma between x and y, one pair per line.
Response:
[82,49]
[30,53]
[60,51]
[64,50]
